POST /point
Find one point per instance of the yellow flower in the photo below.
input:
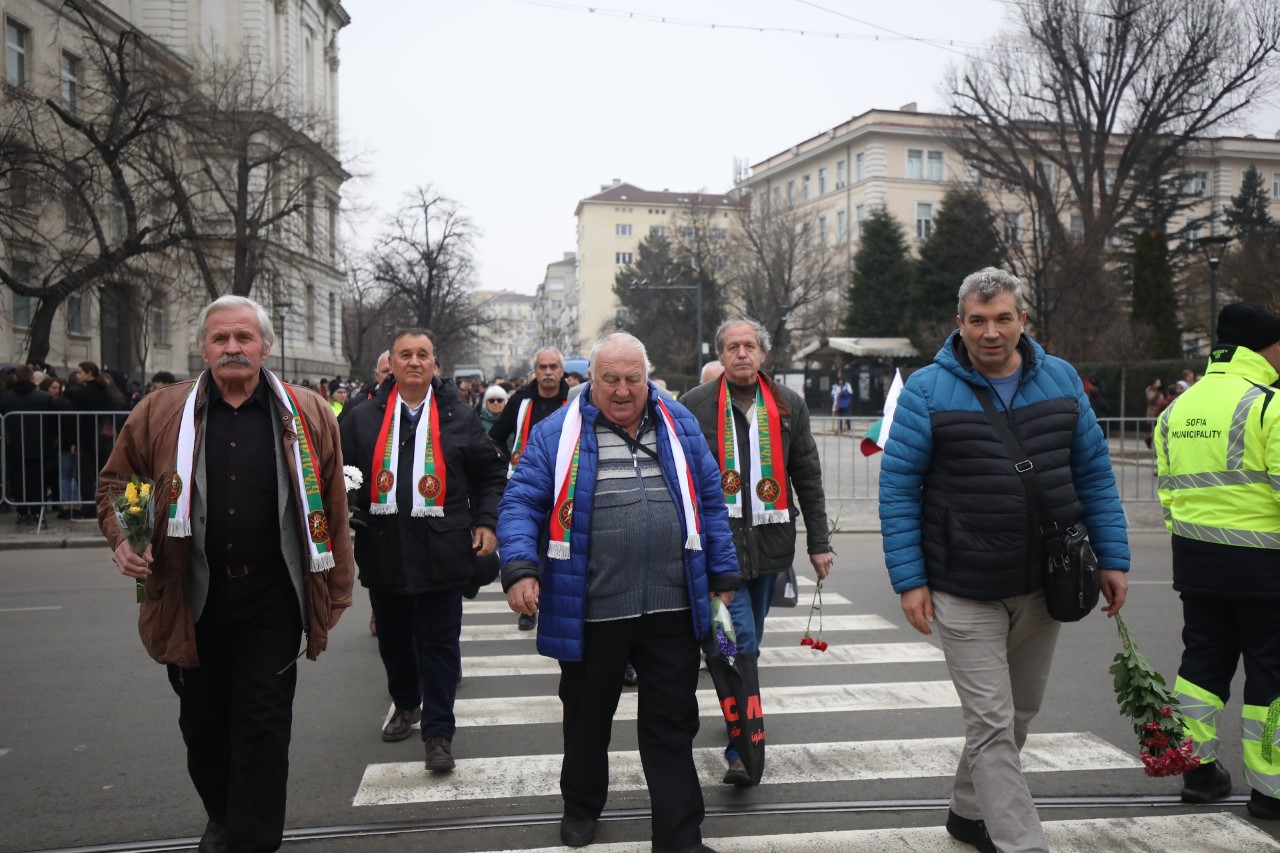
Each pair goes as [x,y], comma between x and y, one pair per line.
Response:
[146,490]
[135,510]
[131,493]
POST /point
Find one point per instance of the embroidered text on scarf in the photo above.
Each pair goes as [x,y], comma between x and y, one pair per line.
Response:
[766,461]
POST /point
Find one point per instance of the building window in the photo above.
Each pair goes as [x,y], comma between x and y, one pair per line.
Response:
[859,214]
[934,172]
[1044,174]
[1197,183]
[859,167]
[804,188]
[1011,229]
[688,233]
[1193,236]
[20,188]
[924,220]
[657,230]
[22,305]
[159,322]
[1109,179]
[17,40]
[70,82]
[309,219]
[822,230]
[791,192]
[311,313]
[822,180]
[72,208]
[622,259]
[841,177]
[915,164]
[719,233]
[842,227]
[75,324]
[117,220]
[777,197]
[333,322]
[1077,226]
[333,230]
[622,230]
[1275,186]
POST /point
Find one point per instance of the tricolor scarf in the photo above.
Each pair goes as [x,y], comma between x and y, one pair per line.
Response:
[429,493]
[307,479]
[566,479]
[523,422]
[768,470]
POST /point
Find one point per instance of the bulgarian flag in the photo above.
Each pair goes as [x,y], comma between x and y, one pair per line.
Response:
[878,433]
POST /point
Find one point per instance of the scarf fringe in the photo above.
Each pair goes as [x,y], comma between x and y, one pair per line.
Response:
[735,511]
[382,509]
[179,527]
[322,562]
[423,511]
[771,516]
[693,542]
[558,550]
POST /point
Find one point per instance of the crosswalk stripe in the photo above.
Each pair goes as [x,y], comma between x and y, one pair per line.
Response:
[856,622]
[807,699]
[482,666]
[539,775]
[487,607]
[1199,833]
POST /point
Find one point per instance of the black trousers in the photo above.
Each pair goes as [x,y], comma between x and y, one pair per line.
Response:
[418,640]
[237,706]
[662,648]
[1217,632]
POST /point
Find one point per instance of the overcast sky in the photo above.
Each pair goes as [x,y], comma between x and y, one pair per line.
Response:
[517,109]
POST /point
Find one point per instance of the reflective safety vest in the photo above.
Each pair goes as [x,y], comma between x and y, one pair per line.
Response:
[1218,454]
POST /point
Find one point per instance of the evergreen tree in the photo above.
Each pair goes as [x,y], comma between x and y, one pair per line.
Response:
[1249,211]
[879,286]
[663,319]
[964,240]
[1154,310]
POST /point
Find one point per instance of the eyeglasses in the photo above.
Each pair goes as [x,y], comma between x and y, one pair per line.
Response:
[495,400]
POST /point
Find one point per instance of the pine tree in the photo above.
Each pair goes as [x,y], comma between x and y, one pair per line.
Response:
[664,319]
[964,240]
[1154,310]
[879,289]
[1249,211]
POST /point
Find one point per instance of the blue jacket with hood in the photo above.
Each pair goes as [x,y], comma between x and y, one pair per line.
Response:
[523,518]
[953,511]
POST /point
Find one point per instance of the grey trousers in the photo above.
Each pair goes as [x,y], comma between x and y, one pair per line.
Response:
[998,653]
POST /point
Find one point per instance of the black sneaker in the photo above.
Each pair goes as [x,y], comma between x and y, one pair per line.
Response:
[630,677]
[64,515]
[1206,783]
[526,622]
[1263,807]
[969,831]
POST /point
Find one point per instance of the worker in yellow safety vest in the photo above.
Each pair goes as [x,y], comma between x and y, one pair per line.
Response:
[1218,458]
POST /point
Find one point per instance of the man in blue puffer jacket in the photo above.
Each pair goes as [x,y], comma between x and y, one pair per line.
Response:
[614,528]
[962,546]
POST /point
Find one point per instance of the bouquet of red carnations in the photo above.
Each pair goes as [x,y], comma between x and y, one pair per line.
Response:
[1148,702]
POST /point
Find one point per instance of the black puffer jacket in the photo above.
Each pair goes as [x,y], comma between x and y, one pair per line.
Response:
[769,548]
[400,553]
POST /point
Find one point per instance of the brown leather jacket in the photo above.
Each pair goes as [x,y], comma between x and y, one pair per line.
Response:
[146,447]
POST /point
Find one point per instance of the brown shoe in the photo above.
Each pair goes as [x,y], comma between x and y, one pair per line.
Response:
[439,755]
[400,726]
[737,774]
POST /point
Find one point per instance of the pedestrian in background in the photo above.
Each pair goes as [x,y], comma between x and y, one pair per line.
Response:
[621,549]
[95,395]
[1218,457]
[255,557]
[961,545]
[26,445]
[842,403]
[495,400]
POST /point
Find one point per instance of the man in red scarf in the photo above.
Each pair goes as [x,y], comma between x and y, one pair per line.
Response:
[759,433]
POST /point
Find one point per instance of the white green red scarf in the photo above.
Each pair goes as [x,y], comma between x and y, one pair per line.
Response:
[523,423]
[428,461]
[767,468]
[566,479]
[314,520]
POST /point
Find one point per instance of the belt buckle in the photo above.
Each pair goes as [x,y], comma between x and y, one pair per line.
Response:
[239,571]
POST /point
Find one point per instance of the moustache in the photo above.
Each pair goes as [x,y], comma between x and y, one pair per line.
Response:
[235,359]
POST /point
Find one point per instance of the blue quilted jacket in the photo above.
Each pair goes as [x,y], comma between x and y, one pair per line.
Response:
[527,504]
[954,513]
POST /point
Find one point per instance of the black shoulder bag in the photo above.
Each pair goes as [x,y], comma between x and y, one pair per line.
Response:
[1071,580]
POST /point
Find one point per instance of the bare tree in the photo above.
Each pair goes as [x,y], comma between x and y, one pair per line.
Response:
[423,262]
[1077,98]
[79,172]
[782,272]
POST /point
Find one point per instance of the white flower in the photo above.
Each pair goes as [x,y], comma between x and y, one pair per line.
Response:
[354,479]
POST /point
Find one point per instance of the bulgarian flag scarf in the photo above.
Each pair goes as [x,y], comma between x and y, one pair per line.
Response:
[428,463]
[301,457]
[523,422]
[568,451]
[765,460]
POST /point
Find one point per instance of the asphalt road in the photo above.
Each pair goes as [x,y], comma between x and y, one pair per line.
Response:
[90,753]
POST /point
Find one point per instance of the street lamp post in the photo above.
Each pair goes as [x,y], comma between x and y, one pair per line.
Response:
[643,284]
[282,307]
[1213,248]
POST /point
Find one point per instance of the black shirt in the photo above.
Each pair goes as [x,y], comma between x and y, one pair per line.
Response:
[240,468]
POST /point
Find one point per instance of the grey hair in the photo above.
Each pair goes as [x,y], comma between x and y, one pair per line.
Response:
[987,284]
[533,362]
[762,334]
[223,303]
[386,353]
[619,338]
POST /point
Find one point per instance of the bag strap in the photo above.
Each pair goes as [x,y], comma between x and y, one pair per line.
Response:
[1026,468]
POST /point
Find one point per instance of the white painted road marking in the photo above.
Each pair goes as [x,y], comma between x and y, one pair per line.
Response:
[499,606]
[481,666]
[776,624]
[29,609]
[539,775]
[1199,833]
[807,699]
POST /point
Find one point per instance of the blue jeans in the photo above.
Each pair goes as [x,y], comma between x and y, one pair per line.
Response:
[67,477]
[749,607]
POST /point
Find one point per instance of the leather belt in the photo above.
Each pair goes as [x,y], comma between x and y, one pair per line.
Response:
[241,570]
